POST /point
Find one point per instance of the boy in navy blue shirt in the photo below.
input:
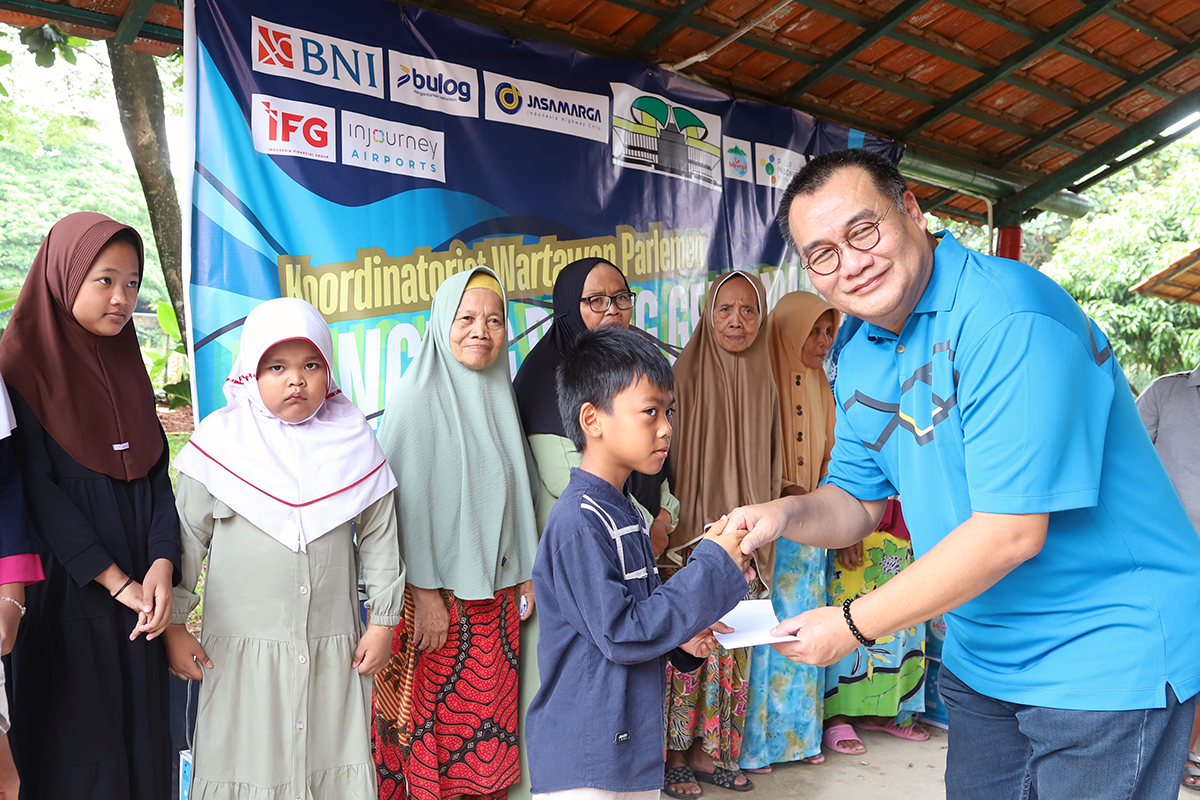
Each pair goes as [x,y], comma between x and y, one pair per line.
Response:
[607,624]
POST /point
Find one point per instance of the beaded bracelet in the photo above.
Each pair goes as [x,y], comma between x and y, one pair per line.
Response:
[15,602]
[854,629]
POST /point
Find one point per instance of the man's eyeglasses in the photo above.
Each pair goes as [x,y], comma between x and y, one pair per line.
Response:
[599,303]
[862,237]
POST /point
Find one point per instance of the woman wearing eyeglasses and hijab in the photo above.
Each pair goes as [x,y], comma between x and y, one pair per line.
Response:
[588,294]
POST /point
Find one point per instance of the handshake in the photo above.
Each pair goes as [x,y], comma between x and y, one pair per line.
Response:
[730,540]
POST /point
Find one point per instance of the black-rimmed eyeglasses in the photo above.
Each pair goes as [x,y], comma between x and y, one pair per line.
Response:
[599,303]
[862,237]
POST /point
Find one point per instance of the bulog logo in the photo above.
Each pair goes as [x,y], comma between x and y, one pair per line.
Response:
[285,127]
[316,58]
[433,85]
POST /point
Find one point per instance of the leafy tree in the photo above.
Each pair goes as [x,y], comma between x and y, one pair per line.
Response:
[1146,220]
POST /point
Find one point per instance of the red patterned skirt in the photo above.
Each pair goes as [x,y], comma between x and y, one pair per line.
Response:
[461,735]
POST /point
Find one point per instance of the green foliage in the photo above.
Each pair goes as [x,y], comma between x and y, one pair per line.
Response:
[47,42]
[5,60]
[178,393]
[1146,219]
[50,167]
[8,298]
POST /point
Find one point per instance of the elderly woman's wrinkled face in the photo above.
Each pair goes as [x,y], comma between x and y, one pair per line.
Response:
[477,336]
[736,315]
[819,340]
[605,284]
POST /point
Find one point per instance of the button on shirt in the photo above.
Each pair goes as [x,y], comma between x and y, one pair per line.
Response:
[1001,396]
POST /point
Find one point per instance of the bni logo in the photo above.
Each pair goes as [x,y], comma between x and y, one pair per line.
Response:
[508,97]
[316,58]
[285,127]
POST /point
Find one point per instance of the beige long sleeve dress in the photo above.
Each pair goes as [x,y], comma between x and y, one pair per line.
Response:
[282,715]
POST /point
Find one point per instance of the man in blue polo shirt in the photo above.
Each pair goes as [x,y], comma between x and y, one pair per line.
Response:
[1046,528]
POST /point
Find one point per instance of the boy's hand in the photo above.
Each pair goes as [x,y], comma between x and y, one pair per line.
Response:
[373,651]
[185,656]
[431,619]
[157,599]
[851,557]
[730,541]
[703,643]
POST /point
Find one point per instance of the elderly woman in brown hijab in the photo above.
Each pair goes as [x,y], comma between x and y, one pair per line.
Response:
[783,719]
[728,451]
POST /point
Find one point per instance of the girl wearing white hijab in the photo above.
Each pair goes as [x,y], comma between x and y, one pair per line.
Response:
[287,493]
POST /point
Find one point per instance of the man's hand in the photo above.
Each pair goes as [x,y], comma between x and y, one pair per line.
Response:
[373,651]
[824,637]
[431,619]
[185,656]
[765,522]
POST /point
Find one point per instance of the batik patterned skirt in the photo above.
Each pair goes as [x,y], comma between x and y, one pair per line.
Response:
[887,679]
[460,736]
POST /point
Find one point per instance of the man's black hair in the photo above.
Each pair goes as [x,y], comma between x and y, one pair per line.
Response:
[816,173]
[602,364]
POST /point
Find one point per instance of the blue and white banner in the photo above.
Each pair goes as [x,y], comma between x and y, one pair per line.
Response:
[359,158]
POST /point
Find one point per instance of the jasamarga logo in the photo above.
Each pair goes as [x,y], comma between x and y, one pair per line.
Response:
[387,146]
[434,85]
[537,105]
[509,98]
[316,58]
[566,109]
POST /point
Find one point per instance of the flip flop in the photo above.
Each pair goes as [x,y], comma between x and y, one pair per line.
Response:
[842,733]
[767,770]
[724,778]
[816,760]
[905,732]
[677,775]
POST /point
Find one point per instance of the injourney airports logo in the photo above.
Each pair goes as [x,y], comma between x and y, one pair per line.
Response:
[537,105]
[433,85]
[387,146]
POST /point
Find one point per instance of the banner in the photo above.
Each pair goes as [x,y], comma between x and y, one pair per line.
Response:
[358,158]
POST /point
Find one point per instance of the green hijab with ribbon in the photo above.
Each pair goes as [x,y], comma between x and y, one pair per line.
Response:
[466,481]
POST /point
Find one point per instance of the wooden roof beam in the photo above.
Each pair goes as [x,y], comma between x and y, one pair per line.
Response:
[1040,45]
[61,12]
[666,25]
[1010,209]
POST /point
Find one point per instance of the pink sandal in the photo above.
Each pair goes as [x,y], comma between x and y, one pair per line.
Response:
[906,732]
[835,734]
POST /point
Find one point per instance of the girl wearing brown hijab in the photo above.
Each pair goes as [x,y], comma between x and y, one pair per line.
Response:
[783,718]
[728,452]
[89,674]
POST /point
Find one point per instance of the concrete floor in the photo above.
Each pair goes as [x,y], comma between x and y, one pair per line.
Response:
[891,768]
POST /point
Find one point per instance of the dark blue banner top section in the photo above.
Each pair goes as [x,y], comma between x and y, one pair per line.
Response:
[357,158]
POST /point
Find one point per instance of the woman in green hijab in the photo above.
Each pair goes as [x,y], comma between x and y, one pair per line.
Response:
[465,499]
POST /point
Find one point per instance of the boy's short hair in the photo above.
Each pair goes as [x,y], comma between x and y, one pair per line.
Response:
[602,364]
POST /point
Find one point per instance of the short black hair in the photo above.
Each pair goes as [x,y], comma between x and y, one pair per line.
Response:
[601,364]
[816,173]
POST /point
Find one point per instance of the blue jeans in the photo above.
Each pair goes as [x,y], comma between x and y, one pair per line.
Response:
[1008,751]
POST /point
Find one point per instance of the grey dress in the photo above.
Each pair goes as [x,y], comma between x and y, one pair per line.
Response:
[282,715]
